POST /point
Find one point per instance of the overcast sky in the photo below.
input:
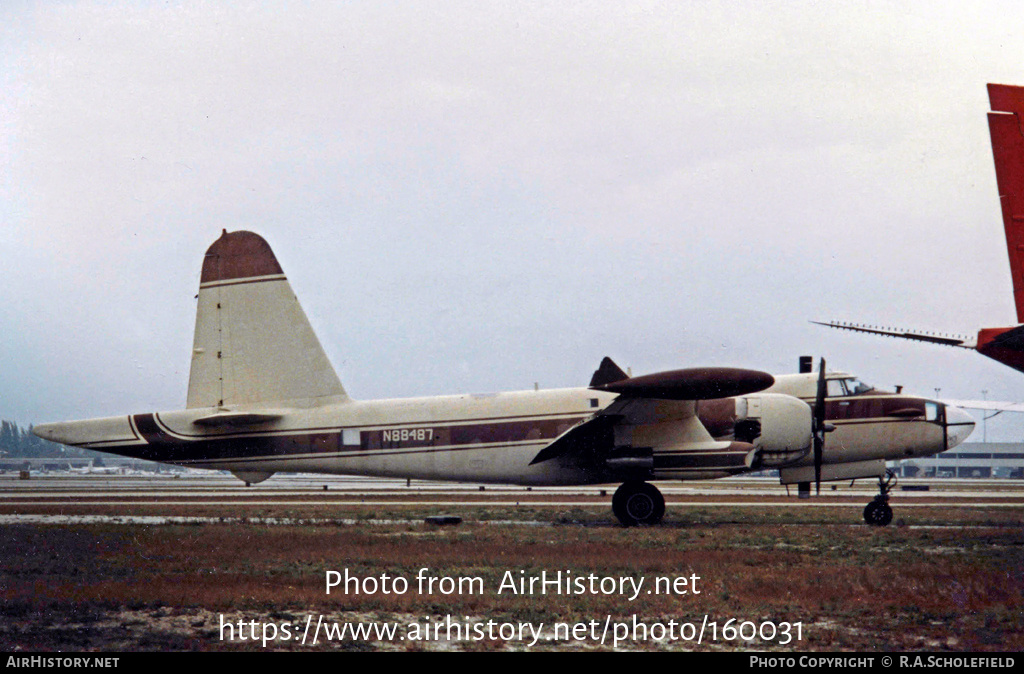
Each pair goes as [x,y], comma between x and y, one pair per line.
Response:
[479,196]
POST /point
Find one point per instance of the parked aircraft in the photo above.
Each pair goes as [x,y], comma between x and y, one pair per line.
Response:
[99,470]
[1005,345]
[263,397]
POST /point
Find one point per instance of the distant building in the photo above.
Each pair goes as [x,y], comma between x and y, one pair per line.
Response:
[971,459]
[18,464]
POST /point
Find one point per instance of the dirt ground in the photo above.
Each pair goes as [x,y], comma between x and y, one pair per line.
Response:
[712,579]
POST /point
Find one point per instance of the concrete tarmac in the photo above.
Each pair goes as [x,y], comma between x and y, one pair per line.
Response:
[122,493]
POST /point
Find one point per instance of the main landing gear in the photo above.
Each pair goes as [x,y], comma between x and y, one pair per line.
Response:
[638,503]
[878,513]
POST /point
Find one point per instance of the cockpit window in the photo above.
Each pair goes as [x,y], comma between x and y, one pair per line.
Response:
[835,388]
[850,386]
[856,387]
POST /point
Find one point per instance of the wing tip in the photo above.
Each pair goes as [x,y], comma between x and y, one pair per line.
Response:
[703,383]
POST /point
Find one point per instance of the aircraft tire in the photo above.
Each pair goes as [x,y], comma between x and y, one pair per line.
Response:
[878,513]
[638,503]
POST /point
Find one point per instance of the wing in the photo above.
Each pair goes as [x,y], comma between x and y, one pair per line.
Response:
[598,431]
[989,405]
[935,338]
[652,411]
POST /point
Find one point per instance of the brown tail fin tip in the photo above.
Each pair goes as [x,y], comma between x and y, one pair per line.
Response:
[239,255]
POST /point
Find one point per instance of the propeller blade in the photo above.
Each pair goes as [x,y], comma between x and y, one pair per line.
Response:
[819,425]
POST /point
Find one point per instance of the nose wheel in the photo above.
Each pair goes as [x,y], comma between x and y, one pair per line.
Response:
[638,503]
[878,513]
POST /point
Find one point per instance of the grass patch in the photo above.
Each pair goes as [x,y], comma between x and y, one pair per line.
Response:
[851,587]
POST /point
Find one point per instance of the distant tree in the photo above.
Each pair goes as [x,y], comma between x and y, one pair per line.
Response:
[8,439]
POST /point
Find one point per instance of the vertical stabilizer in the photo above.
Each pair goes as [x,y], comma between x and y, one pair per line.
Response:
[253,343]
[1004,123]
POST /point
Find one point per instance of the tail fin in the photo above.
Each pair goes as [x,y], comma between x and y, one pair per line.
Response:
[1004,123]
[253,343]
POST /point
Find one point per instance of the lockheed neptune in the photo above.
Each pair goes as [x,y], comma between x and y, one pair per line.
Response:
[263,397]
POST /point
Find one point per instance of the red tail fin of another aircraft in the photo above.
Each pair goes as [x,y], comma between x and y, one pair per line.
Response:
[1004,123]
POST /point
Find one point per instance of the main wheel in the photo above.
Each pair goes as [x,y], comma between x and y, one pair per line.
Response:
[878,513]
[638,503]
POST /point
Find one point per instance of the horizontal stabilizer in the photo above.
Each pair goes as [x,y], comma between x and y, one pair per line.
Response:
[933,337]
[239,418]
[700,383]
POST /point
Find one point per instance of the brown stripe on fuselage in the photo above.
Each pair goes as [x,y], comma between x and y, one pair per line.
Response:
[149,429]
[563,417]
[719,415]
[238,255]
[436,438]
[864,407]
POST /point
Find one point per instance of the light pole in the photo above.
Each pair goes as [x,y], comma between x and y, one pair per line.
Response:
[984,418]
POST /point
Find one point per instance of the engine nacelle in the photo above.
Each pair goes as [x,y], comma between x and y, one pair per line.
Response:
[779,427]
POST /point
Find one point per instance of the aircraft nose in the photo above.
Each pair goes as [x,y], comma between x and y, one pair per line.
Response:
[959,425]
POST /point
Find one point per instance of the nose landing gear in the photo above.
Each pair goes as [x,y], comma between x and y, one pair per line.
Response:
[638,503]
[878,513]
